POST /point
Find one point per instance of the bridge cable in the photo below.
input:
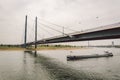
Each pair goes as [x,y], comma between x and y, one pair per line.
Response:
[53,28]
[38,24]
[58,25]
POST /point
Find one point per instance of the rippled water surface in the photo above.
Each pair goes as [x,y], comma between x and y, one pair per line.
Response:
[53,65]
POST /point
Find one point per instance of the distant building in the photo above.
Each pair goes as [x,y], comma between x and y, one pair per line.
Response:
[112,43]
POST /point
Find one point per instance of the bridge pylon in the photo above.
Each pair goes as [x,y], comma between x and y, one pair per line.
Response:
[25,36]
[35,32]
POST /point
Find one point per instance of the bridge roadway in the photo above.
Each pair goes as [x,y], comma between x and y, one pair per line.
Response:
[111,31]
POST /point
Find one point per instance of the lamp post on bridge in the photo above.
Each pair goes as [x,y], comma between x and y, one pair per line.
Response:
[63,31]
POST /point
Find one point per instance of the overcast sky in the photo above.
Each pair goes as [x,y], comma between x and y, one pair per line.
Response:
[74,14]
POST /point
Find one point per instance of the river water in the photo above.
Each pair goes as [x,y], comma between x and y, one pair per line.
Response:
[53,65]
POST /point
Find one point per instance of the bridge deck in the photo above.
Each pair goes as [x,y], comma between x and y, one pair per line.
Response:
[111,31]
[111,26]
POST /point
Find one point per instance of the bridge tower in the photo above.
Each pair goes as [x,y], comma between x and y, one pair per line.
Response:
[25,36]
[36,33]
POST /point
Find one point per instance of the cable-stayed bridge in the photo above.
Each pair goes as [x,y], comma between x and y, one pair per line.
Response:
[111,31]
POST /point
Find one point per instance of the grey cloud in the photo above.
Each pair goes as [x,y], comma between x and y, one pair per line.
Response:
[64,12]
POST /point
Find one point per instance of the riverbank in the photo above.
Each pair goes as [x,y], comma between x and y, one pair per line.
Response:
[40,48]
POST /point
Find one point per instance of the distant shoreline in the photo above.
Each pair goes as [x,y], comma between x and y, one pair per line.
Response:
[46,48]
[41,48]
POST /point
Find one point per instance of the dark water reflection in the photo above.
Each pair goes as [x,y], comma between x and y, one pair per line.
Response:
[102,67]
[52,65]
